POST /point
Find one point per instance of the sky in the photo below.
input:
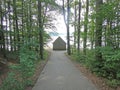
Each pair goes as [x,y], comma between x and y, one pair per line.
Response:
[59,22]
[60,27]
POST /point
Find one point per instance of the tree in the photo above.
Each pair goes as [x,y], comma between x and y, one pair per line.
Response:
[85,27]
[66,20]
[2,37]
[19,23]
[68,35]
[78,31]
[98,33]
[40,28]
[75,23]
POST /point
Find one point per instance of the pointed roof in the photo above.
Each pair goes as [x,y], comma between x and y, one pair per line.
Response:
[59,39]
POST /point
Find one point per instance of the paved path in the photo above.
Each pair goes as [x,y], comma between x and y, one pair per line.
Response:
[61,74]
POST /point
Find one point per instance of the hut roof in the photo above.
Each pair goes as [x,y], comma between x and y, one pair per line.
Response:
[59,39]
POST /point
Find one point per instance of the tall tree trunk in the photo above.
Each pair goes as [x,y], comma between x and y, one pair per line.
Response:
[23,26]
[75,28]
[17,39]
[2,37]
[118,30]
[98,34]
[79,18]
[68,35]
[40,28]
[10,28]
[64,12]
[6,26]
[85,27]
[67,24]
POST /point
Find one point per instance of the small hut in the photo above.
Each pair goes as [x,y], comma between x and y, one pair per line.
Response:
[59,44]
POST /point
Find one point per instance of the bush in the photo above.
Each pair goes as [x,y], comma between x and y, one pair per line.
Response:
[112,63]
[11,83]
[113,83]
[108,67]
[21,73]
[27,63]
[79,57]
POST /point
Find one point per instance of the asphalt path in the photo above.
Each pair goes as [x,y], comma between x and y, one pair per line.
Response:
[61,74]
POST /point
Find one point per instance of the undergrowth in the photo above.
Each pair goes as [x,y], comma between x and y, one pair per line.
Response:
[108,67]
[20,75]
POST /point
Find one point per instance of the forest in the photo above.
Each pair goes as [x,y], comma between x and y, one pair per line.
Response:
[23,35]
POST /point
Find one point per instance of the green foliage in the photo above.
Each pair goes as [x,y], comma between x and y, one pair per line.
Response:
[46,36]
[27,62]
[107,68]
[111,62]
[21,73]
[113,83]
[46,54]
[11,83]
[28,57]
[108,10]
[79,57]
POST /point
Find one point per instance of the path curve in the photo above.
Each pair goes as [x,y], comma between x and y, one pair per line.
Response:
[61,74]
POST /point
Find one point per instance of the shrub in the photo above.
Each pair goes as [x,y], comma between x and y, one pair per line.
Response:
[11,83]
[79,57]
[27,63]
[108,67]
[21,73]
[113,83]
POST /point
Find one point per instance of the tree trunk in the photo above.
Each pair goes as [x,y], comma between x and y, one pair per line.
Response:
[85,27]
[10,27]
[98,34]
[40,28]
[68,35]
[75,28]
[79,18]
[2,37]
[64,12]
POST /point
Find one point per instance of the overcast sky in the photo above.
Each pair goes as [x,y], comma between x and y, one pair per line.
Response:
[59,22]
